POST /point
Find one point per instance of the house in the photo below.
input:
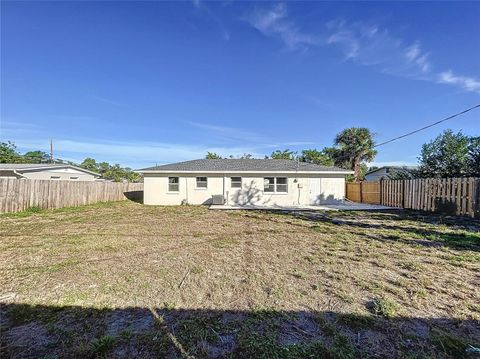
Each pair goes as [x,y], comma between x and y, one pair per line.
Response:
[47,171]
[265,182]
[386,172]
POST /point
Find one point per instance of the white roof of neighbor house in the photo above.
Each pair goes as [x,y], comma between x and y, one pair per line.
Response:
[22,167]
[242,166]
[392,167]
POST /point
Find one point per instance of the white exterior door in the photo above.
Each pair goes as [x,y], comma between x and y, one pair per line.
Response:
[315,191]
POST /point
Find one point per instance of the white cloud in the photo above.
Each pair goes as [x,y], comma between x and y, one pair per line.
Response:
[108,101]
[137,154]
[372,46]
[467,83]
[203,8]
[415,55]
[228,133]
[362,43]
[133,154]
[274,22]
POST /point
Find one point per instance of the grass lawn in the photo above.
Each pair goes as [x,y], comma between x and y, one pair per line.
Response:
[124,280]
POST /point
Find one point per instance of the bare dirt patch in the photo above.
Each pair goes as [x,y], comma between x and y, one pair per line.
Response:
[127,280]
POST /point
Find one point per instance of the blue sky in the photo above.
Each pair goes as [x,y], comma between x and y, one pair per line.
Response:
[139,83]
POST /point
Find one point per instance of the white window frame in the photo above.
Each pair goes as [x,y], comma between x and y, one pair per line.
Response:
[236,182]
[206,183]
[173,183]
[275,185]
[265,179]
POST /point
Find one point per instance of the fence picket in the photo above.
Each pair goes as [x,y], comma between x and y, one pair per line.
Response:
[426,194]
[20,194]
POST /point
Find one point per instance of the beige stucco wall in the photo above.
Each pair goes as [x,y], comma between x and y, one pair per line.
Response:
[331,189]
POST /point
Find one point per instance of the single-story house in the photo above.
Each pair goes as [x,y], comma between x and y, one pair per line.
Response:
[266,182]
[47,171]
[387,172]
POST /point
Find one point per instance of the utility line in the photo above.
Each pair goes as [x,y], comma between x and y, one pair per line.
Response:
[428,126]
[415,131]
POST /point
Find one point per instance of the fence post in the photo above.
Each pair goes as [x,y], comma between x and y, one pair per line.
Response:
[361,192]
[381,190]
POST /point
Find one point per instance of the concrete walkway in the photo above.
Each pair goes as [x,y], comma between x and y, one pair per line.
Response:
[347,206]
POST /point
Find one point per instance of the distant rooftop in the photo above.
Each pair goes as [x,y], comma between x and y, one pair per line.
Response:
[242,165]
[40,166]
[407,168]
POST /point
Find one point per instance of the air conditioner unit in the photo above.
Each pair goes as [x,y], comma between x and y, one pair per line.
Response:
[218,199]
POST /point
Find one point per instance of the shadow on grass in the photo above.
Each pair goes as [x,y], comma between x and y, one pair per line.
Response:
[435,230]
[78,332]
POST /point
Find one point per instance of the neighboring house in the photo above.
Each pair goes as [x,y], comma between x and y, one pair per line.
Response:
[265,182]
[387,171]
[47,171]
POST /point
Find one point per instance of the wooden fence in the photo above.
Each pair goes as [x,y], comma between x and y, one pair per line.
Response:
[459,196]
[20,194]
[364,192]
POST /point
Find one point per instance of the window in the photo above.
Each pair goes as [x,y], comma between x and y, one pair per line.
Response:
[275,184]
[201,182]
[55,177]
[73,178]
[269,184]
[173,184]
[281,184]
[236,182]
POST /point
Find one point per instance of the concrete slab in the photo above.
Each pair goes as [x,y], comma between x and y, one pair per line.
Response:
[347,206]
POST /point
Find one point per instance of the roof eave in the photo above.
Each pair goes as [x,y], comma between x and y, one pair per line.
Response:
[95,174]
[344,172]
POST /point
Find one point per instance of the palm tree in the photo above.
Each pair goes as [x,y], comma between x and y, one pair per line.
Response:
[353,146]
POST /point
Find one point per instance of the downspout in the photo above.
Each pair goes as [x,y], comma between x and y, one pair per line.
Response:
[298,182]
[225,193]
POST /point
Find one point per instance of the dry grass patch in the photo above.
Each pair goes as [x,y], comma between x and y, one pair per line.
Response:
[123,280]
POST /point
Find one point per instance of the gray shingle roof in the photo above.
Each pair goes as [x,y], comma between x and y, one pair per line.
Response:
[247,165]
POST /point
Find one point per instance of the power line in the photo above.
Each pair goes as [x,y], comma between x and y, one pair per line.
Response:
[428,126]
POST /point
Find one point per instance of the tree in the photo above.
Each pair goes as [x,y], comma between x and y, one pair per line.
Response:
[36,157]
[115,172]
[89,164]
[246,156]
[212,156]
[447,155]
[318,157]
[103,167]
[9,154]
[131,176]
[473,157]
[352,147]
[283,155]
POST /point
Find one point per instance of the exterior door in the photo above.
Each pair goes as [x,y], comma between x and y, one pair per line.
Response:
[315,191]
